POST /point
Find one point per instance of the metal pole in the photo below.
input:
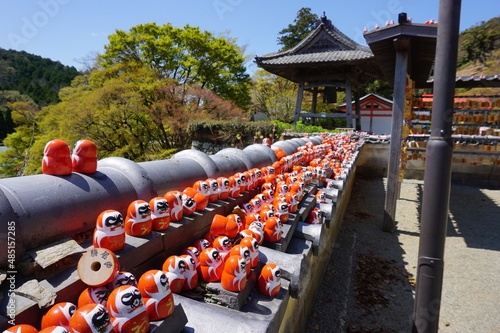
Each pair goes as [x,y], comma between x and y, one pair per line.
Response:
[437,177]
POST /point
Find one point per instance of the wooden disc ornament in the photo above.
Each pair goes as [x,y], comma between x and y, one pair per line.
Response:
[98,267]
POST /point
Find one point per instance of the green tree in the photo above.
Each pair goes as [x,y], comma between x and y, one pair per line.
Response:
[185,55]
[14,161]
[303,24]
[478,42]
[274,96]
[32,75]
[128,111]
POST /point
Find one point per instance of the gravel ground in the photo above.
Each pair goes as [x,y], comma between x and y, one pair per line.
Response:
[369,284]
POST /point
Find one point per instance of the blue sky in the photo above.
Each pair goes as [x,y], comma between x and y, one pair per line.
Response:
[70,30]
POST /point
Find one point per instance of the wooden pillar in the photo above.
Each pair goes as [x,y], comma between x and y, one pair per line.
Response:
[357,110]
[391,194]
[314,102]
[348,103]
[298,105]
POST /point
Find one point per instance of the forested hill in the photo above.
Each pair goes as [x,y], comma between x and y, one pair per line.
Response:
[479,49]
[40,78]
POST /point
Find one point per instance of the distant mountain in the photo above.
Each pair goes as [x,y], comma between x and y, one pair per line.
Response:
[40,78]
[479,49]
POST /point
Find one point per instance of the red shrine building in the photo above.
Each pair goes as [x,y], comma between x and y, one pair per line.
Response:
[375,114]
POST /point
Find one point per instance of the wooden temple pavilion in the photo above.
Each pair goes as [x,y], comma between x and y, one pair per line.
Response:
[323,62]
[406,53]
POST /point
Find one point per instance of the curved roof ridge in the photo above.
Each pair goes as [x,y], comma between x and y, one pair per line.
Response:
[326,25]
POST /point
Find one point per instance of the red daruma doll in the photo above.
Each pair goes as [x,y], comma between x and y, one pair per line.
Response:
[223,188]
[56,158]
[234,276]
[160,213]
[273,229]
[175,269]
[191,274]
[127,311]
[269,281]
[223,226]
[138,219]
[90,318]
[157,296]
[211,265]
[174,199]
[59,315]
[22,328]
[109,232]
[84,157]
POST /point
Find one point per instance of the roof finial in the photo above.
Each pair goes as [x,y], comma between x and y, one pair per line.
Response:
[324,19]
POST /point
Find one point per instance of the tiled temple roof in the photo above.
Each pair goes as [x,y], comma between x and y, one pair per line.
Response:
[325,44]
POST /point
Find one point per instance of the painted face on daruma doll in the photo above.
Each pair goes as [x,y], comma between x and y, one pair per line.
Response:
[154,284]
[124,300]
[139,210]
[110,220]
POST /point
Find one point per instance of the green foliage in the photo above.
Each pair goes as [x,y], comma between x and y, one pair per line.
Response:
[299,127]
[185,55]
[128,111]
[304,23]
[274,96]
[232,133]
[32,75]
[478,42]
[378,87]
[7,100]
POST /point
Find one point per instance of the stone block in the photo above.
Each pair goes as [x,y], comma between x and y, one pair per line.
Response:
[267,307]
[306,205]
[288,230]
[290,264]
[234,300]
[316,233]
[203,318]
[303,249]
[139,249]
[312,188]
[172,324]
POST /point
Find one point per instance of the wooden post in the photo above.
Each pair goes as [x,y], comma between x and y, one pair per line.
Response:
[298,105]
[357,110]
[348,103]
[401,70]
[314,102]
